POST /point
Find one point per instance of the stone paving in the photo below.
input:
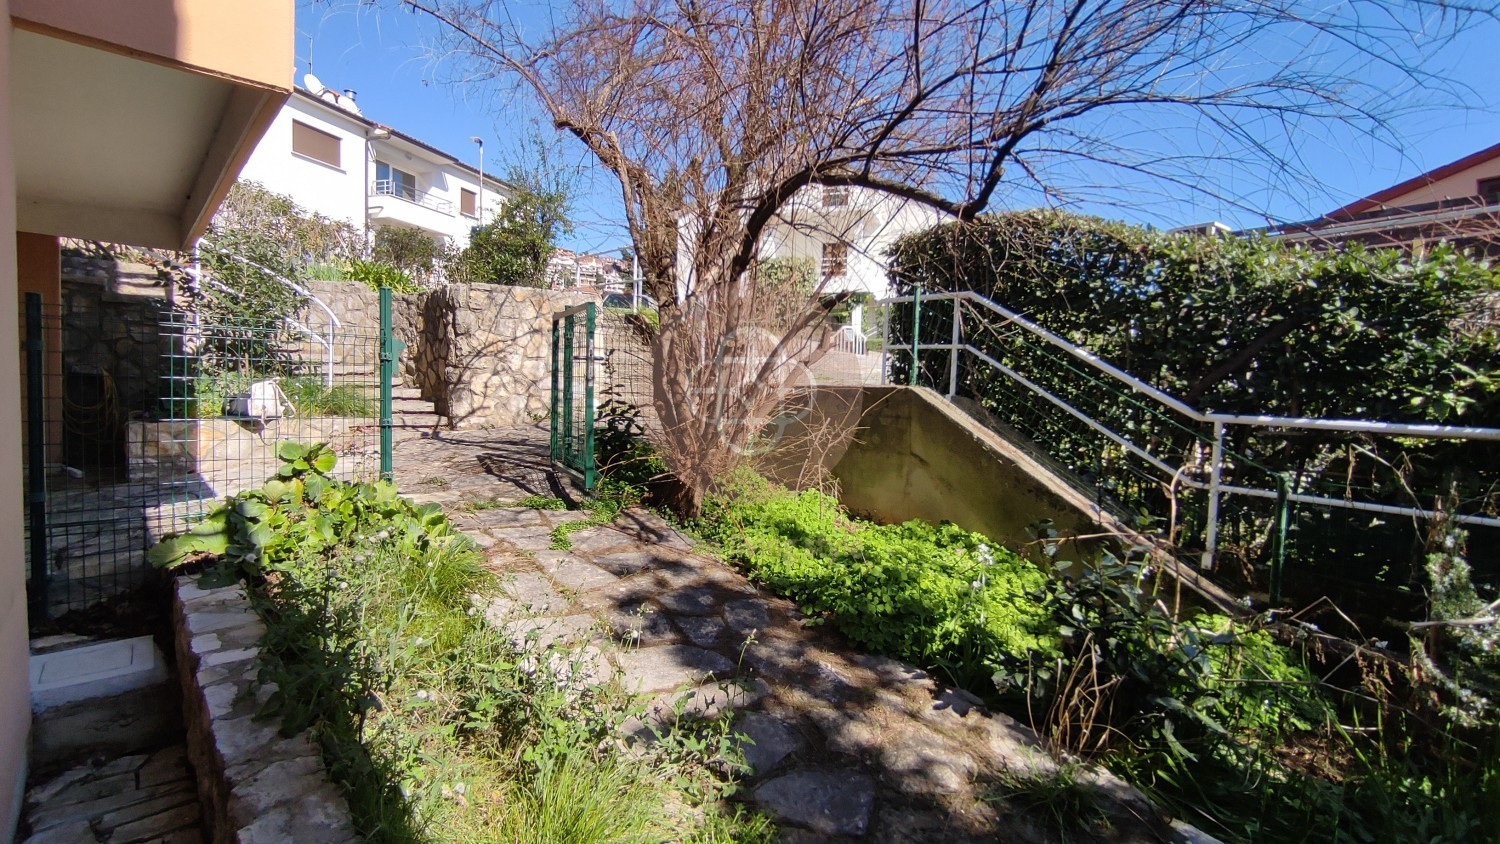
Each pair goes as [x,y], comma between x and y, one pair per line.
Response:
[142,797]
[844,745]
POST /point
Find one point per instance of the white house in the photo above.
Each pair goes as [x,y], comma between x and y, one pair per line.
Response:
[844,231]
[331,159]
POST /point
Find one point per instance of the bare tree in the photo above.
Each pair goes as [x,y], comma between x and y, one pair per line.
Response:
[717,115]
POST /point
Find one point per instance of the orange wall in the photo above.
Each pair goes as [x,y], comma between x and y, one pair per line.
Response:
[249,40]
[39,270]
[15,689]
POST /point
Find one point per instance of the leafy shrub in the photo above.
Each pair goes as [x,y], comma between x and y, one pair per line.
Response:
[934,595]
[302,513]
[436,726]
[411,251]
[375,275]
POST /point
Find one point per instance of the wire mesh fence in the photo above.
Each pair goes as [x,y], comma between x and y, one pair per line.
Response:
[602,387]
[1357,499]
[121,452]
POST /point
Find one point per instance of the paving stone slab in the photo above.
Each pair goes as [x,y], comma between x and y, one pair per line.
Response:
[747,616]
[693,600]
[507,517]
[649,527]
[601,540]
[834,802]
[626,563]
[662,668]
[703,631]
[709,700]
[572,572]
[120,795]
[770,740]
[535,592]
[641,625]
[525,538]
[158,825]
[526,633]
[918,762]
[77,832]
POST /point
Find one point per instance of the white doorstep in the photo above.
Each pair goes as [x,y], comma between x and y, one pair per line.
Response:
[107,668]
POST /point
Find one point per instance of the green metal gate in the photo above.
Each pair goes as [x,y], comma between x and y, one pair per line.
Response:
[573,370]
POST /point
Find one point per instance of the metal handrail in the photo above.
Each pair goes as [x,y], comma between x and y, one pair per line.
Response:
[388,187]
[1214,485]
[327,342]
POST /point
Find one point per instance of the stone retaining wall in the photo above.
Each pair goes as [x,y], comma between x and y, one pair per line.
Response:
[478,352]
[256,785]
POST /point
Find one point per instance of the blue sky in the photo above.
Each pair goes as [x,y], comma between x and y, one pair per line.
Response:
[380,54]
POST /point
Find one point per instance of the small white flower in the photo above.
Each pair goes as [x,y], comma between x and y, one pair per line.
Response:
[460,788]
[383,535]
[423,694]
[418,642]
[976,585]
[343,584]
[359,558]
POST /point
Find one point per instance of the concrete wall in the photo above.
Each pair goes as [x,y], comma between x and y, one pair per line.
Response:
[906,453]
[15,688]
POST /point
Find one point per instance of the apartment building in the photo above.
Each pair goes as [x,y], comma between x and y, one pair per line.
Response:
[331,159]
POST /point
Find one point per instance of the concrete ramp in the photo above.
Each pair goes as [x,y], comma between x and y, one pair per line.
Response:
[900,453]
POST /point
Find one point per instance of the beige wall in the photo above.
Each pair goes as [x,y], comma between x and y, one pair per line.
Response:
[1455,186]
[15,690]
[248,40]
[909,454]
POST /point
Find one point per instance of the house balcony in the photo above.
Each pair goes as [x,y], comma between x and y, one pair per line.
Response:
[393,202]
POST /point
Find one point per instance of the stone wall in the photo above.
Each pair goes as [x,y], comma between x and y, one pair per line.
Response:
[256,785]
[479,352]
[111,317]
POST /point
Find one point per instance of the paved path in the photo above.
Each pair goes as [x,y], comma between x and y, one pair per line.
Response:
[142,797]
[845,745]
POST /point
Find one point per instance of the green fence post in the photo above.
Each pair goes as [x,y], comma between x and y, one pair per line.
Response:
[567,391]
[1278,536]
[590,471]
[916,332]
[387,370]
[36,456]
[554,447]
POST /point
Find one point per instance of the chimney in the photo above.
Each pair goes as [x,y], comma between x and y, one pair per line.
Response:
[350,94]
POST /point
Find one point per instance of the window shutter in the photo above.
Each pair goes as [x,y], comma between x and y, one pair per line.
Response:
[315,144]
[466,203]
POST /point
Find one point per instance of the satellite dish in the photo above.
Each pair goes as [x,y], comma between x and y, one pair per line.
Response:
[313,84]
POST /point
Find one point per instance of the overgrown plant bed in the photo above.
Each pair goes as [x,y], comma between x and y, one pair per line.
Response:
[434,725]
[1231,730]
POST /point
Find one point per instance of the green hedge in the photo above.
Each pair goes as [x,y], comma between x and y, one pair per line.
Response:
[1251,326]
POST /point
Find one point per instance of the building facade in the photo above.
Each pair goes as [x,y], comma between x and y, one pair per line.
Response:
[842,233]
[1458,202]
[331,159]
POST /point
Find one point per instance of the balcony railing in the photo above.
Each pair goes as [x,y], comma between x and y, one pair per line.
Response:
[388,187]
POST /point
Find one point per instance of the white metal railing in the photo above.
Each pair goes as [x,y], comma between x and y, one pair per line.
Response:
[326,340]
[1189,476]
[388,187]
[850,339]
